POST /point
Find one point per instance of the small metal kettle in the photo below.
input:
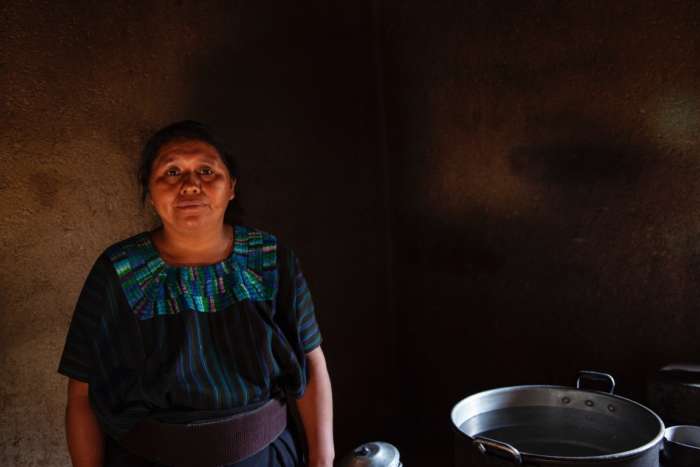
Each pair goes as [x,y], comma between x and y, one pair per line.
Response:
[374,454]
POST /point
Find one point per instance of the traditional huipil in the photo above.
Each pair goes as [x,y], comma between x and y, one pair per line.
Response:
[184,344]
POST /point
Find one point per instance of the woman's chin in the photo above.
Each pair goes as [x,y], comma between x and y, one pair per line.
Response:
[195,222]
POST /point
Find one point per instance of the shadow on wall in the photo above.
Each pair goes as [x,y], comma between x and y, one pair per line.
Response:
[295,95]
[595,269]
[579,151]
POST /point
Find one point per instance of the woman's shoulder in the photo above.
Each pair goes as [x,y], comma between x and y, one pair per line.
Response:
[105,267]
[252,239]
[252,236]
[138,246]
[255,249]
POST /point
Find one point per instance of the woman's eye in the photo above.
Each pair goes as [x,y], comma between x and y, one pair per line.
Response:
[206,171]
[172,172]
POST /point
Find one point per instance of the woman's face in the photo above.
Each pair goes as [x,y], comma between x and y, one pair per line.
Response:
[190,186]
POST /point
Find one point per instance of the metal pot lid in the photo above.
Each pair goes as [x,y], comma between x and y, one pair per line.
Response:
[687,374]
[374,454]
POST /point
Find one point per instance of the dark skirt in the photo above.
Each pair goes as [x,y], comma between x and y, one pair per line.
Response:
[281,452]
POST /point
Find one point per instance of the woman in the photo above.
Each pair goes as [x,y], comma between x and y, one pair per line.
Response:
[187,339]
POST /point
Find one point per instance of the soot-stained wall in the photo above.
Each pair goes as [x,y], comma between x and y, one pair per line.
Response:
[542,188]
[545,194]
[291,86]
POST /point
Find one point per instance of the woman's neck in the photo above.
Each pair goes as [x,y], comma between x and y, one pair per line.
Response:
[193,248]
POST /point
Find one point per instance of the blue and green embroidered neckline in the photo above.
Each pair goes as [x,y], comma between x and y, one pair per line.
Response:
[153,287]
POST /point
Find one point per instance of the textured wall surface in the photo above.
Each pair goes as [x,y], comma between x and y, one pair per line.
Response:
[546,195]
[543,192]
[292,86]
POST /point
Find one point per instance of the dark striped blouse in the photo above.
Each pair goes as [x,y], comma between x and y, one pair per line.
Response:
[190,343]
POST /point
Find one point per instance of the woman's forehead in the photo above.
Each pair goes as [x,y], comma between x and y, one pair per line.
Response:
[187,149]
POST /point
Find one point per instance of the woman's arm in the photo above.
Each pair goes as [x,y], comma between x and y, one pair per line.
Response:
[85,438]
[316,411]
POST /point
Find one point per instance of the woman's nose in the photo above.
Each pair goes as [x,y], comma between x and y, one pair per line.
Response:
[190,184]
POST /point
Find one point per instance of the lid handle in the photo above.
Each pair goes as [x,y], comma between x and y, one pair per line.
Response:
[363,450]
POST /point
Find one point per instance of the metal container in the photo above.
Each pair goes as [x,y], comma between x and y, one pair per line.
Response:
[374,454]
[556,425]
[673,392]
[682,446]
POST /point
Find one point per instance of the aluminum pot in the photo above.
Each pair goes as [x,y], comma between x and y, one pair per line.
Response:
[682,446]
[673,393]
[556,425]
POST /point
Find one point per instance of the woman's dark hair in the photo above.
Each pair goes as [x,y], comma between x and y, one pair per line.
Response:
[187,130]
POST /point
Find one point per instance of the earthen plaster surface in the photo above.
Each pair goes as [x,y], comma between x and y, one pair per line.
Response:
[547,157]
[543,159]
[82,84]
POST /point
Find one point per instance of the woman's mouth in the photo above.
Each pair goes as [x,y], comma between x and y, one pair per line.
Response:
[189,204]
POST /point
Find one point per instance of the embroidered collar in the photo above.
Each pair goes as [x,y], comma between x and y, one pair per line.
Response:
[153,287]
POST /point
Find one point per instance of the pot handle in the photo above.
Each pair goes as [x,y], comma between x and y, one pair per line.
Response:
[505,449]
[595,376]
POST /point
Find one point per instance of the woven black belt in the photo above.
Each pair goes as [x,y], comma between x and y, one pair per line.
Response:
[208,444]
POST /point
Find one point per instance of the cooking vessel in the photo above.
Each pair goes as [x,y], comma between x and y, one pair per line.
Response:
[556,425]
[673,393]
[682,446]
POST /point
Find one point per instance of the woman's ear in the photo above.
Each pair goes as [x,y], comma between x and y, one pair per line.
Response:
[233,188]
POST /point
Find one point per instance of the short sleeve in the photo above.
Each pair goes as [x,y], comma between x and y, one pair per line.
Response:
[307,325]
[77,358]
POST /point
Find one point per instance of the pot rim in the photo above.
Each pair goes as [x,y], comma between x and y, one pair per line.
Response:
[671,429]
[615,456]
